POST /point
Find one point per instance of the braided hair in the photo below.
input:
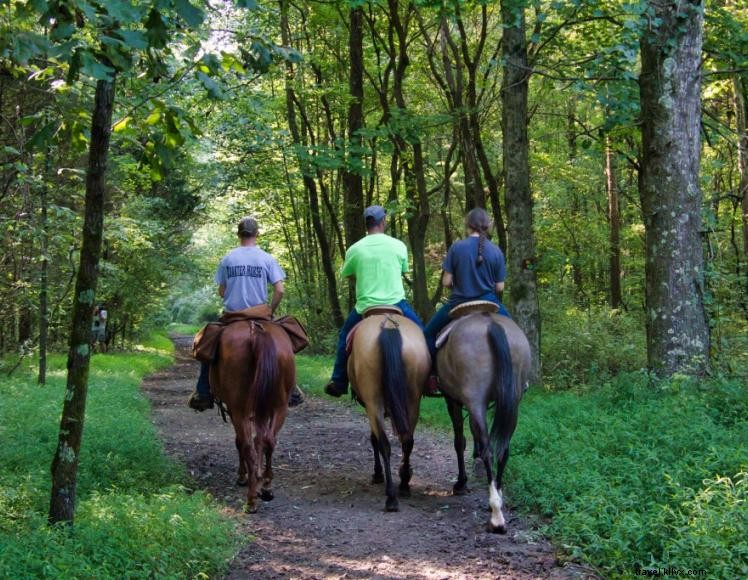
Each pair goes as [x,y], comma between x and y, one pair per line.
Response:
[478,221]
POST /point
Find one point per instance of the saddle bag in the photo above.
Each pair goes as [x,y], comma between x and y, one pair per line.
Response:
[295,331]
[205,343]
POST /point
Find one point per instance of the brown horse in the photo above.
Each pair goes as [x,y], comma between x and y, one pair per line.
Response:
[388,367]
[254,375]
[485,360]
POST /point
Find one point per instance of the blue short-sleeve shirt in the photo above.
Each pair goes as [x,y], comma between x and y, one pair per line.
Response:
[246,272]
[473,280]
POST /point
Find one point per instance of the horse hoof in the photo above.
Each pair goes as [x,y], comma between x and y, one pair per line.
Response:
[250,508]
[377,478]
[404,491]
[391,505]
[266,495]
[242,482]
[497,529]
[460,489]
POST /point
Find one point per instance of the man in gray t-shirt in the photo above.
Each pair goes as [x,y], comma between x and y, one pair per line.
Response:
[243,277]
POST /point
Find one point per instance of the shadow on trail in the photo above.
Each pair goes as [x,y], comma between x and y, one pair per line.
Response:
[326,520]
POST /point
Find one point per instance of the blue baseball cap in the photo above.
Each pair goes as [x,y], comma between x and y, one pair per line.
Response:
[375,214]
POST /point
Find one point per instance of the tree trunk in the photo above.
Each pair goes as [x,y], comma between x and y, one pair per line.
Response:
[44,273]
[65,463]
[309,184]
[670,82]
[353,186]
[614,224]
[740,101]
[522,283]
[571,139]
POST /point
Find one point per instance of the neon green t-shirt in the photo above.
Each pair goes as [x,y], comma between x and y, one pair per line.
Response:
[378,263]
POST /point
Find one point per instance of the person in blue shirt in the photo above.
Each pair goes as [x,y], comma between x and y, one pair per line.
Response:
[474,269]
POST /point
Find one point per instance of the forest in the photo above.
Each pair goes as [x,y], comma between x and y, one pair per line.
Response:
[608,140]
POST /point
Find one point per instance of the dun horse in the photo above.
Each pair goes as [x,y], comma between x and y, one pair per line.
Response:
[253,376]
[486,359]
[388,367]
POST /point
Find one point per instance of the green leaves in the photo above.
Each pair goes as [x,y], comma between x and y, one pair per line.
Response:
[192,16]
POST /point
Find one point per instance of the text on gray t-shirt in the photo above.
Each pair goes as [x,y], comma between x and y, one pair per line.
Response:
[246,272]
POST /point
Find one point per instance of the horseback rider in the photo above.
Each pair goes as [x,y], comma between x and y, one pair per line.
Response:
[474,269]
[376,263]
[243,276]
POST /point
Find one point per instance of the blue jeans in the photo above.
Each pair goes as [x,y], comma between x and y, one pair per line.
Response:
[340,370]
[203,383]
[441,318]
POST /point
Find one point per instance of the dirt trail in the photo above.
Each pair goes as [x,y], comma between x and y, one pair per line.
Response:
[327,519]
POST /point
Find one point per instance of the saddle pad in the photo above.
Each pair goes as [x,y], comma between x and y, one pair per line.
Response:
[349,339]
[473,306]
[442,337]
[384,309]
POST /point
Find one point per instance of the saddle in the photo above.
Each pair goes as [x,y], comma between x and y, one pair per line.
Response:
[371,311]
[205,344]
[462,310]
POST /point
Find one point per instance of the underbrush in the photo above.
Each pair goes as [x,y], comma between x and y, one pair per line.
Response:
[625,473]
[134,517]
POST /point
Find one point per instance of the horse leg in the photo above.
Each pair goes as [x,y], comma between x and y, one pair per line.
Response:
[266,492]
[405,470]
[495,500]
[378,476]
[249,457]
[241,478]
[391,505]
[455,413]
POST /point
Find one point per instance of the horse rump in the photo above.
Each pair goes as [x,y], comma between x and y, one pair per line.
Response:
[504,395]
[394,378]
[265,394]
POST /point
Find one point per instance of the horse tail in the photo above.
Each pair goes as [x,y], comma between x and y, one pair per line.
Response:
[394,379]
[265,395]
[505,413]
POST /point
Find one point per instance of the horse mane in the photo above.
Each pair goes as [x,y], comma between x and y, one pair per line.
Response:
[505,413]
[265,395]
[394,379]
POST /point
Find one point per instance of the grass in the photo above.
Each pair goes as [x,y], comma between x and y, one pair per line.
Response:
[626,472]
[135,517]
[181,328]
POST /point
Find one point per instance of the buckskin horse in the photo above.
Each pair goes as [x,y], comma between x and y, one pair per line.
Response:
[253,376]
[485,360]
[388,367]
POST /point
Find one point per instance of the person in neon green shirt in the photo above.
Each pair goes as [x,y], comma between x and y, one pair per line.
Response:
[377,263]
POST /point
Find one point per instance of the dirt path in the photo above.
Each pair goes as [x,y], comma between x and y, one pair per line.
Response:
[327,519]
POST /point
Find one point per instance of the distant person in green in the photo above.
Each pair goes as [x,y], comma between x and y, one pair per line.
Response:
[376,263]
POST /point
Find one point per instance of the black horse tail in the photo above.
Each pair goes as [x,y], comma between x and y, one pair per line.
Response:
[265,395]
[394,379]
[505,413]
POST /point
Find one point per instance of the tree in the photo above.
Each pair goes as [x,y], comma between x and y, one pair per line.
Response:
[670,82]
[522,283]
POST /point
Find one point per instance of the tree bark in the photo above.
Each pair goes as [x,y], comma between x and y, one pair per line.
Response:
[614,224]
[522,282]
[65,463]
[308,178]
[44,273]
[353,186]
[669,85]
[740,101]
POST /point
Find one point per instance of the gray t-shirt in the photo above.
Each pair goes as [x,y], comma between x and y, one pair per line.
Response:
[246,272]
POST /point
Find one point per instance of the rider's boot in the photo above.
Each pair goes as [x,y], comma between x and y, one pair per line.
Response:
[336,389]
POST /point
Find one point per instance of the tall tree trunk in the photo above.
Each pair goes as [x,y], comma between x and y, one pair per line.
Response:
[571,139]
[740,101]
[310,184]
[44,273]
[669,84]
[65,462]
[353,186]
[614,224]
[522,282]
